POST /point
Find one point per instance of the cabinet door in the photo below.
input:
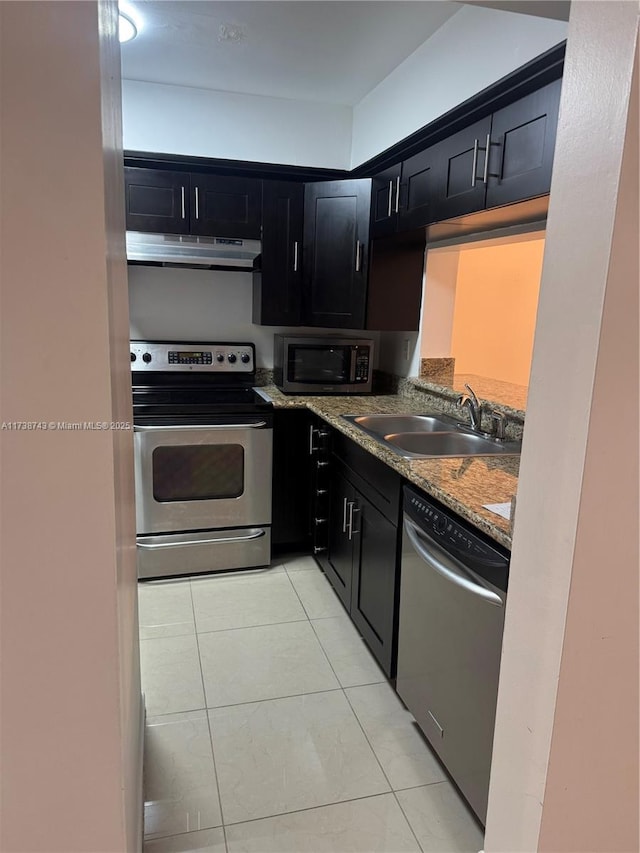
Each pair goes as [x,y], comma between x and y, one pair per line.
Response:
[156,201]
[374,594]
[292,478]
[523,137]
[462,170]
[418,189]
[278,282]
[394,289]
[224,206]
[336,253]
[318,451]
[385,192]
[339,566]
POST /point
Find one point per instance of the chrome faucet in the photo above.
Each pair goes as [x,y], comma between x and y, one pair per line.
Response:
[473,405]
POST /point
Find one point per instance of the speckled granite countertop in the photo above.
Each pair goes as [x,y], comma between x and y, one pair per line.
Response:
[463,484]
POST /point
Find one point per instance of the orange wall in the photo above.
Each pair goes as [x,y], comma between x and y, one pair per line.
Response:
[495,310]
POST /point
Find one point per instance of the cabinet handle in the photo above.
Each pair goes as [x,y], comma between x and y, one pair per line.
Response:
[476,143]
[352,509]
[318,549]
[197,204]
[397,193]
[322,464]
[485,176]
[184,212]
[317,521]
[349,524]
[295,256]
[390,198]
[344,515]
[312,449]
[358,255]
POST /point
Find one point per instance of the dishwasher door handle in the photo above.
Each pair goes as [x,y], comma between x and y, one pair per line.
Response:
[447,570]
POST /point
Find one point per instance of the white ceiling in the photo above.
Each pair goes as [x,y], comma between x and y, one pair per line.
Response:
[334,51]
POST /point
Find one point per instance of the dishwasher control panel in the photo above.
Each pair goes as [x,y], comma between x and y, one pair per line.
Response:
[453,535]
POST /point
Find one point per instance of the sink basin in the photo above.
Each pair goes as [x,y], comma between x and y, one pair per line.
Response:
[423,444]
[423,436]
[386,424]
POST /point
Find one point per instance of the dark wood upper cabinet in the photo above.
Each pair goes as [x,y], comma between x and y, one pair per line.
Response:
[394,292]
[157,201]
[277,289]
[223,206]
[336,253]
[462,166]
[418,188]
[385,191]
[523,137]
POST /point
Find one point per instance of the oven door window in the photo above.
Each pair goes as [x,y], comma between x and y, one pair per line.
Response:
[198,472]
[319,364]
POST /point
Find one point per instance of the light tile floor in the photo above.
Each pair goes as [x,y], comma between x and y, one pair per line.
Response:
[271,729]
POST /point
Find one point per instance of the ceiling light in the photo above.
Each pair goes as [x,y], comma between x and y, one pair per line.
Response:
[129,23]
[127,30]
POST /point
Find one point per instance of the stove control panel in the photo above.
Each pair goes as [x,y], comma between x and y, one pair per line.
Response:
[173,356]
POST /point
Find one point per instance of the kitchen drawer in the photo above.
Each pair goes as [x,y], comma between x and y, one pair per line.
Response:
[379,483]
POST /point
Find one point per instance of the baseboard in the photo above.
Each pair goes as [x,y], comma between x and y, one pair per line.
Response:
[140,785]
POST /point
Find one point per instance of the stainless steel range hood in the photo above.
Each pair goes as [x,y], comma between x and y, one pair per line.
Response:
[188,251]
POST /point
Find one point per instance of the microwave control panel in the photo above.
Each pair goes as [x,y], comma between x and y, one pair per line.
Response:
[362,365]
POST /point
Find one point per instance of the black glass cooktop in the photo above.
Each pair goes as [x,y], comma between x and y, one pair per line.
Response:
[196,403]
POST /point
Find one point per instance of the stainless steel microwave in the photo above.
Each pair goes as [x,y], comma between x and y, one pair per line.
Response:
[323,365]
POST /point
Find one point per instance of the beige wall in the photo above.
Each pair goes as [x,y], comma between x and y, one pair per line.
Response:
[595,746]
[70,682]
[494,316]
[565,766]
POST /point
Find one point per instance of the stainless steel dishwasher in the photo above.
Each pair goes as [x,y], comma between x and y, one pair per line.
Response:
[452,596]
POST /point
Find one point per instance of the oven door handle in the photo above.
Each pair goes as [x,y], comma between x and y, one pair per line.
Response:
[156,546]
[185,428]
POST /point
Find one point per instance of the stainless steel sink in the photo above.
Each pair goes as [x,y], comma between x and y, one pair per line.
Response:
[414,444]
[386,424]
[424,436]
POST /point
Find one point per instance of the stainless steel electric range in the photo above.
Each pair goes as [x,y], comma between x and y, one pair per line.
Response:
[203,439]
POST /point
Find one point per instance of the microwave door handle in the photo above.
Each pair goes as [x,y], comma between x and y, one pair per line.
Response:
[352,365]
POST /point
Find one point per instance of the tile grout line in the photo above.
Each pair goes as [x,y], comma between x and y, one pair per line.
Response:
[279,814]
[317,569]
[213,755]
[383,771]
[353,711]
[369,744]
[311,808]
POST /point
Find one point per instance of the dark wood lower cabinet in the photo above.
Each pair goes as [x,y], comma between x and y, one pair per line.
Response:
[374,581]
[340,554]
[292,480]
[362,558]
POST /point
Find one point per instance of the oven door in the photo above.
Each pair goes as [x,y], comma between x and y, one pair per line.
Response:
[203,477]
